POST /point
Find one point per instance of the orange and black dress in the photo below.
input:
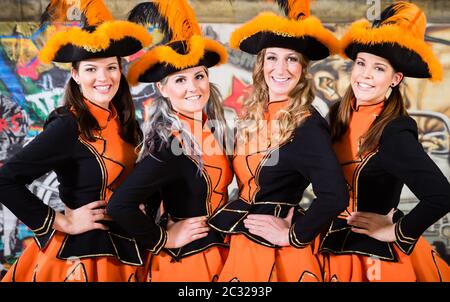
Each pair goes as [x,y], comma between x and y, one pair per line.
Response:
[375,181]
[186,190]
[87,171]
[272,179]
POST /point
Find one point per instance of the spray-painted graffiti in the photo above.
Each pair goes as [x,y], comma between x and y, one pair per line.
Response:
[29,91]
[13,127]
[13,132]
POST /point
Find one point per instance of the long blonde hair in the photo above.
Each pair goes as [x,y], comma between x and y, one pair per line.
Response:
[162,122]
[297,109]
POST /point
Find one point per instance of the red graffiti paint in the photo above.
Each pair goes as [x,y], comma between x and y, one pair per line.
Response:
[14,125]
[3,124]
[239,92]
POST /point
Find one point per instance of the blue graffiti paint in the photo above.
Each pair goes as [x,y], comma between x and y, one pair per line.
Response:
[9,76]
[38,32]
[12,83]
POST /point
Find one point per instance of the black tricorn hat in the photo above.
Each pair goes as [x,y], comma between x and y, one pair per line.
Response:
[298,31]
[399,37]
[100,36]
[186,46]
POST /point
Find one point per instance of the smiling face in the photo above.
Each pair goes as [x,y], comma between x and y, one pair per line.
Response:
[98,79]
[371,78]
[187,90]
[282,71]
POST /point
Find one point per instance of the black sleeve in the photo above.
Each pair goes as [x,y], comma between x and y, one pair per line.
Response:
[49,150]
[402,155]
[316,161]
[149,175]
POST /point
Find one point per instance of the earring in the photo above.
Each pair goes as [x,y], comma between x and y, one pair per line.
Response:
[393,85]
[388,92]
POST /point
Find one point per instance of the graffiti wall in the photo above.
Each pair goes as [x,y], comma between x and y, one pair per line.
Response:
[29,91]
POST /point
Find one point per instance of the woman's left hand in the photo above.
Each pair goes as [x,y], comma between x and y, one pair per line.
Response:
[373,225]
[271,228]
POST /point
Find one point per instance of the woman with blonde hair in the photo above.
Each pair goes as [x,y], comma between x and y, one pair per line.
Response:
[283,146]
[183,161]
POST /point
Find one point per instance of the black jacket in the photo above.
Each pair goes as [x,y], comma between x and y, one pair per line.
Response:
[307,158]
[184,190]
[400,159]
[79,173]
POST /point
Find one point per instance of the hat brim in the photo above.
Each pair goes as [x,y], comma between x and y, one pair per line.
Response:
[112,38]
[402,60]
[164,60]
[308,46]
[161,70]
[122,48]
[406,53]
[306,36]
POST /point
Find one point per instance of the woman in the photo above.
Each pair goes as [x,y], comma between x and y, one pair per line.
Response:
[183,160]
[284,145]
[89,143]
[376,143]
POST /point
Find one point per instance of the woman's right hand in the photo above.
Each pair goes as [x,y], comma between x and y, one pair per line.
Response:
[185,231]
[380,227]
[271,228]
[83,219]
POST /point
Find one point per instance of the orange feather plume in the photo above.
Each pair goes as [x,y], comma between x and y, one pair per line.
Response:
[93,11]
[295,9]
[175,18]
[408,16]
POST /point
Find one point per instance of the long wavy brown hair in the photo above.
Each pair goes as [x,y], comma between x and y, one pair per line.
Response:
[289,118]
[122,101]
[341,113]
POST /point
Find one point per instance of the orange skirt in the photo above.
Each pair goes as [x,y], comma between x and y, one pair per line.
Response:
[201,267]
[251,262]
[424,264]
[427,264]
[35,265]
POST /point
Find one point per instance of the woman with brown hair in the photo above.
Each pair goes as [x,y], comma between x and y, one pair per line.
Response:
[283,145]
[183,161]
[376,143]
[90,144]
